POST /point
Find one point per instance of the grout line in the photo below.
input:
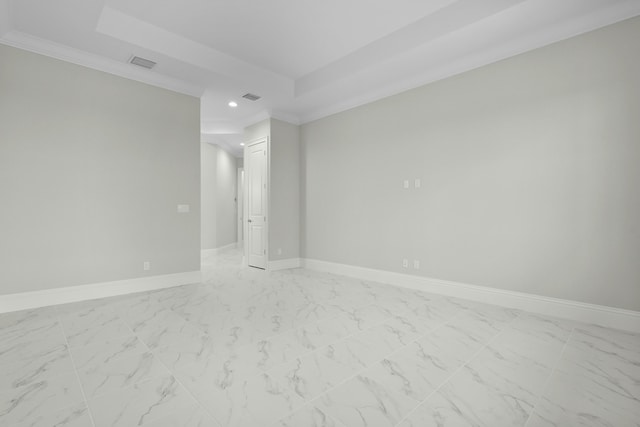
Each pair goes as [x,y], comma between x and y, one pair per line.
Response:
[75,368]
[200,405]
[310,403]
[319,349]
[360,371]
[549,378]
[315,350]
[459,369]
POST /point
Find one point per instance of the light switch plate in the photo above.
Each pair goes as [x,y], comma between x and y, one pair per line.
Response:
[183,208]
[417,183]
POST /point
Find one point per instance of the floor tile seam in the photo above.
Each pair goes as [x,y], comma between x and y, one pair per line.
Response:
[117,319]
[107,344]
[317,349]
[345,338]
[195,324]
[99,342]
[310,402]
[29,325]
[459,369]
[292,329]
[186,389]
[148,378]
[49,377]
[75,370]
[549,379]
[336,422]
[27,341]
[52,377]
[177,411]
[29,359]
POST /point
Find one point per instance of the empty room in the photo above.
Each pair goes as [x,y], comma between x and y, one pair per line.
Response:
[295,213]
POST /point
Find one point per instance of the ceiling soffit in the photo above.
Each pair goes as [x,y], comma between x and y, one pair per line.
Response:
[455,36]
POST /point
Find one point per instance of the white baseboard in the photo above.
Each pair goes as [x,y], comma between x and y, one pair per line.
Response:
[284,264]
[216,251]
[205,253]
[583,312]
[35,299]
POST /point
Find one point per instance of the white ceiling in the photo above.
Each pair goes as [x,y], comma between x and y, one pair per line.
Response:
[306,58]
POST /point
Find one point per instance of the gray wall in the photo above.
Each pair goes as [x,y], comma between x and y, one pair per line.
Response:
[284,185]
[284,196]
[218,184]
[208,188]
[226,219]
[92,167]
[529,167]
[256,131]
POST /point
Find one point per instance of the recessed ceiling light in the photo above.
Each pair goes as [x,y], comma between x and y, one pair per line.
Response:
[233,104]
[242,144]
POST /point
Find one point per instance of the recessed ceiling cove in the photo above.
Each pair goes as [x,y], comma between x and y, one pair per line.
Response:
[289,37]
[305,58]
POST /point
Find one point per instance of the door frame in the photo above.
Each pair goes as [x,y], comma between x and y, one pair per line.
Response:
[247,172]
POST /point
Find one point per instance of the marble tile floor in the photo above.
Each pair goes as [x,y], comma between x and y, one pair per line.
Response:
[297,348]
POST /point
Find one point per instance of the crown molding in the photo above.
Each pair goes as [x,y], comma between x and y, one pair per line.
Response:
[286,117]
[425,74]
[450,16]
[65,53]
[129,29]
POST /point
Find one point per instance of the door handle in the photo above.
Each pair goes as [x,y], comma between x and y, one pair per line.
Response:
[248,220]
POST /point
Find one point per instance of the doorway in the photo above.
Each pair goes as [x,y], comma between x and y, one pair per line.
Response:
[240,208]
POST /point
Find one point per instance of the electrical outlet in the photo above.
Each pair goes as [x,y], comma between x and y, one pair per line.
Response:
[279,251]
[405,263]
[146,266]
[416,264]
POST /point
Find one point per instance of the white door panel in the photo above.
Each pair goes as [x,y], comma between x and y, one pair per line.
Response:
[256,170]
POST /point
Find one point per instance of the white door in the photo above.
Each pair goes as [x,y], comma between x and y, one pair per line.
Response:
[256,186]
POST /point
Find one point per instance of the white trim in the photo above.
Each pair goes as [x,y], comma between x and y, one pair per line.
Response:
[574,310]
[221,249]
[216,251]
[97,62]
[284,264]
[35,299]
[205,253]
[426,74]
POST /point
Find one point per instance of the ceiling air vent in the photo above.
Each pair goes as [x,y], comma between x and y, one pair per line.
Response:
[251,97]
[141,62]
